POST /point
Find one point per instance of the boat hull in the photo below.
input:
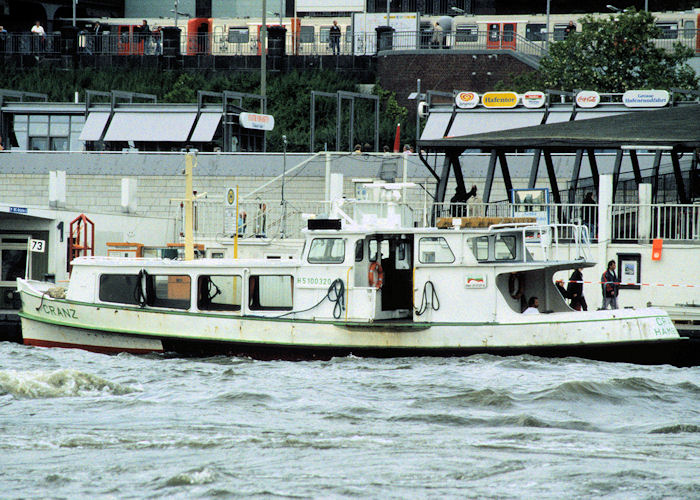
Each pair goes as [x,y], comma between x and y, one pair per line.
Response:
[646,337]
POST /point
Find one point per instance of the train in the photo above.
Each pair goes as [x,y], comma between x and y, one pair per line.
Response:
[311,35]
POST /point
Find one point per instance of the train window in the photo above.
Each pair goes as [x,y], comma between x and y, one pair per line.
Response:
[238,35]
[669,31]
[494,32]
[348,34]
[306,34]
[467,33]
[535,32]
[689,29]
[324,34]
[559,32]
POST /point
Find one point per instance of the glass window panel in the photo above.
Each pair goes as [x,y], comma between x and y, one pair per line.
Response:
[467,33]
[306,35]
[38,144]
[170,291]
[359,250]
[119,288]
[505,248]
[324,34]
[14,263]
[59,144]
[270,292]
[238,35]
[435,250]
[220,293]
[481,248]
[535,32]
[689,29]
[327,251]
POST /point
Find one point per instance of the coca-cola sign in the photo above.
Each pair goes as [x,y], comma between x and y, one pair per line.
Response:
[587,99]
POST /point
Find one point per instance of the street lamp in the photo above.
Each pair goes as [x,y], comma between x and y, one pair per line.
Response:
[263,57]
[613,8]
[546,31]
[284,173]
[457,10]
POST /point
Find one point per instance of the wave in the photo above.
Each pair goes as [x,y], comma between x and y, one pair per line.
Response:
[676,429]
[244,397]
[40,384]
[613,390]
[199,476]
[472,397]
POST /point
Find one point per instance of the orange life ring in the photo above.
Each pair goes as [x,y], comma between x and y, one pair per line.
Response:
[376,275]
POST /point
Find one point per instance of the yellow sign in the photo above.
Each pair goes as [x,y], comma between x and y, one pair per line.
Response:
[499,99]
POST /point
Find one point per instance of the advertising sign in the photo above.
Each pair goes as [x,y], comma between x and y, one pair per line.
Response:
[533,99]
[466,100]
[499,100]
[531,203]
[475,280]
[587,99]
[257,121]
[645,98]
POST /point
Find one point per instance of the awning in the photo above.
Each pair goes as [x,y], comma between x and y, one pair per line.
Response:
[206,127]
[677,127]
[94,126]
[436,126]
[150,127]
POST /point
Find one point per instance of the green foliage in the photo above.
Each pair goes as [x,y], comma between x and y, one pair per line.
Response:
[613,54]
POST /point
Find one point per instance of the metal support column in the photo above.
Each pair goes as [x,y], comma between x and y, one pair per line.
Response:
[635,167]
[680,185]
[616,172]
[444,179]
[556,197]
[489,176]
[575,173]
[505,172]
[594,171]
[534,168]
[655,176]
[459,177]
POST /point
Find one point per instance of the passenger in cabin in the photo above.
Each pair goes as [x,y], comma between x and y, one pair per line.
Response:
[242,223]
[407,149]
[532,306]
[366,148]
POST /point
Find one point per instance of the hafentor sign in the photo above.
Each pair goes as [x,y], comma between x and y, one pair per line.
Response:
[645,98]
[256,121]
[499,100]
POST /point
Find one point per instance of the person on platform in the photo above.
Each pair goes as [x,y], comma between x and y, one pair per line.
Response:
[3,38]
[437,39]
[570,28]
[589,213]
[334,36]
[611,286]
[39,36]
[532,306]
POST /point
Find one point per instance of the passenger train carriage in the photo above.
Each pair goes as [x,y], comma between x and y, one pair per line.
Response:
[311,35]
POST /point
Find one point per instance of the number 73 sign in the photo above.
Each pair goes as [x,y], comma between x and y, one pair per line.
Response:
[37,245]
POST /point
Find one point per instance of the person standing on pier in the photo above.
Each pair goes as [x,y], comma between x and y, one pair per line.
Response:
[335,38]
[611,286]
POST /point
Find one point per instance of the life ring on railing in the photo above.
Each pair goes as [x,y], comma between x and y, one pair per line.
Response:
[515,285]
[376,275]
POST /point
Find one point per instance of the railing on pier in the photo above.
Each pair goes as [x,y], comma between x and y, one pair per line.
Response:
[30,43]
[633,222]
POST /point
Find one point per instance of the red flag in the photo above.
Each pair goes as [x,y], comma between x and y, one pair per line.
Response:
[397,139]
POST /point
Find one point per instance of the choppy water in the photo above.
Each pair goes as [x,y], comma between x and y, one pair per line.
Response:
[79,425]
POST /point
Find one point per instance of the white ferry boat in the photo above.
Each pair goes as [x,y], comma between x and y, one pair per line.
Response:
[367,290]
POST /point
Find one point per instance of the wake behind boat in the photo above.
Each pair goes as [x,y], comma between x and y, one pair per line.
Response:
[368,289]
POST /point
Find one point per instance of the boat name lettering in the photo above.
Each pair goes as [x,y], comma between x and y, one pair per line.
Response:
[663,327]
[62,312]
[308,281]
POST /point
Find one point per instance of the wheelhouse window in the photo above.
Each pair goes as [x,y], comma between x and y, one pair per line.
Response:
[270,292]
[359,250]
[505,248]
[481,248]
[375,246]
[435,249]
[327,251]
[219,293]
[119,288]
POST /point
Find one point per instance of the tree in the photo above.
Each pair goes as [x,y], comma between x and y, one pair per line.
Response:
[614,54]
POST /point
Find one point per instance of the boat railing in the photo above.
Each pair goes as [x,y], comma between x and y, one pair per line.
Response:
[546,239]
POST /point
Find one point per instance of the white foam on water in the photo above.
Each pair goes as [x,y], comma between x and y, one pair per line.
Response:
[56,384]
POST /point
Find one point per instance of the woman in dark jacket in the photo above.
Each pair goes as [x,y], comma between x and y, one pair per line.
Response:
[575,291]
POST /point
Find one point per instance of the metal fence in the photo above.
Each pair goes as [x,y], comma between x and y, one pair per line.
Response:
[29,43]
[121,44]
[631,222]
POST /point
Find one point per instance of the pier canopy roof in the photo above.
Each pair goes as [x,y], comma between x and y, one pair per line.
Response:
[677,128]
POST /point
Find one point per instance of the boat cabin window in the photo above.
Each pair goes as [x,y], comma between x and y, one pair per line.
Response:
[435,249]
[170,291]
[270,292]
[219,293]
[327,251]
[481,248]
[119,288]
[382,246]
[359,250]
[505,248]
